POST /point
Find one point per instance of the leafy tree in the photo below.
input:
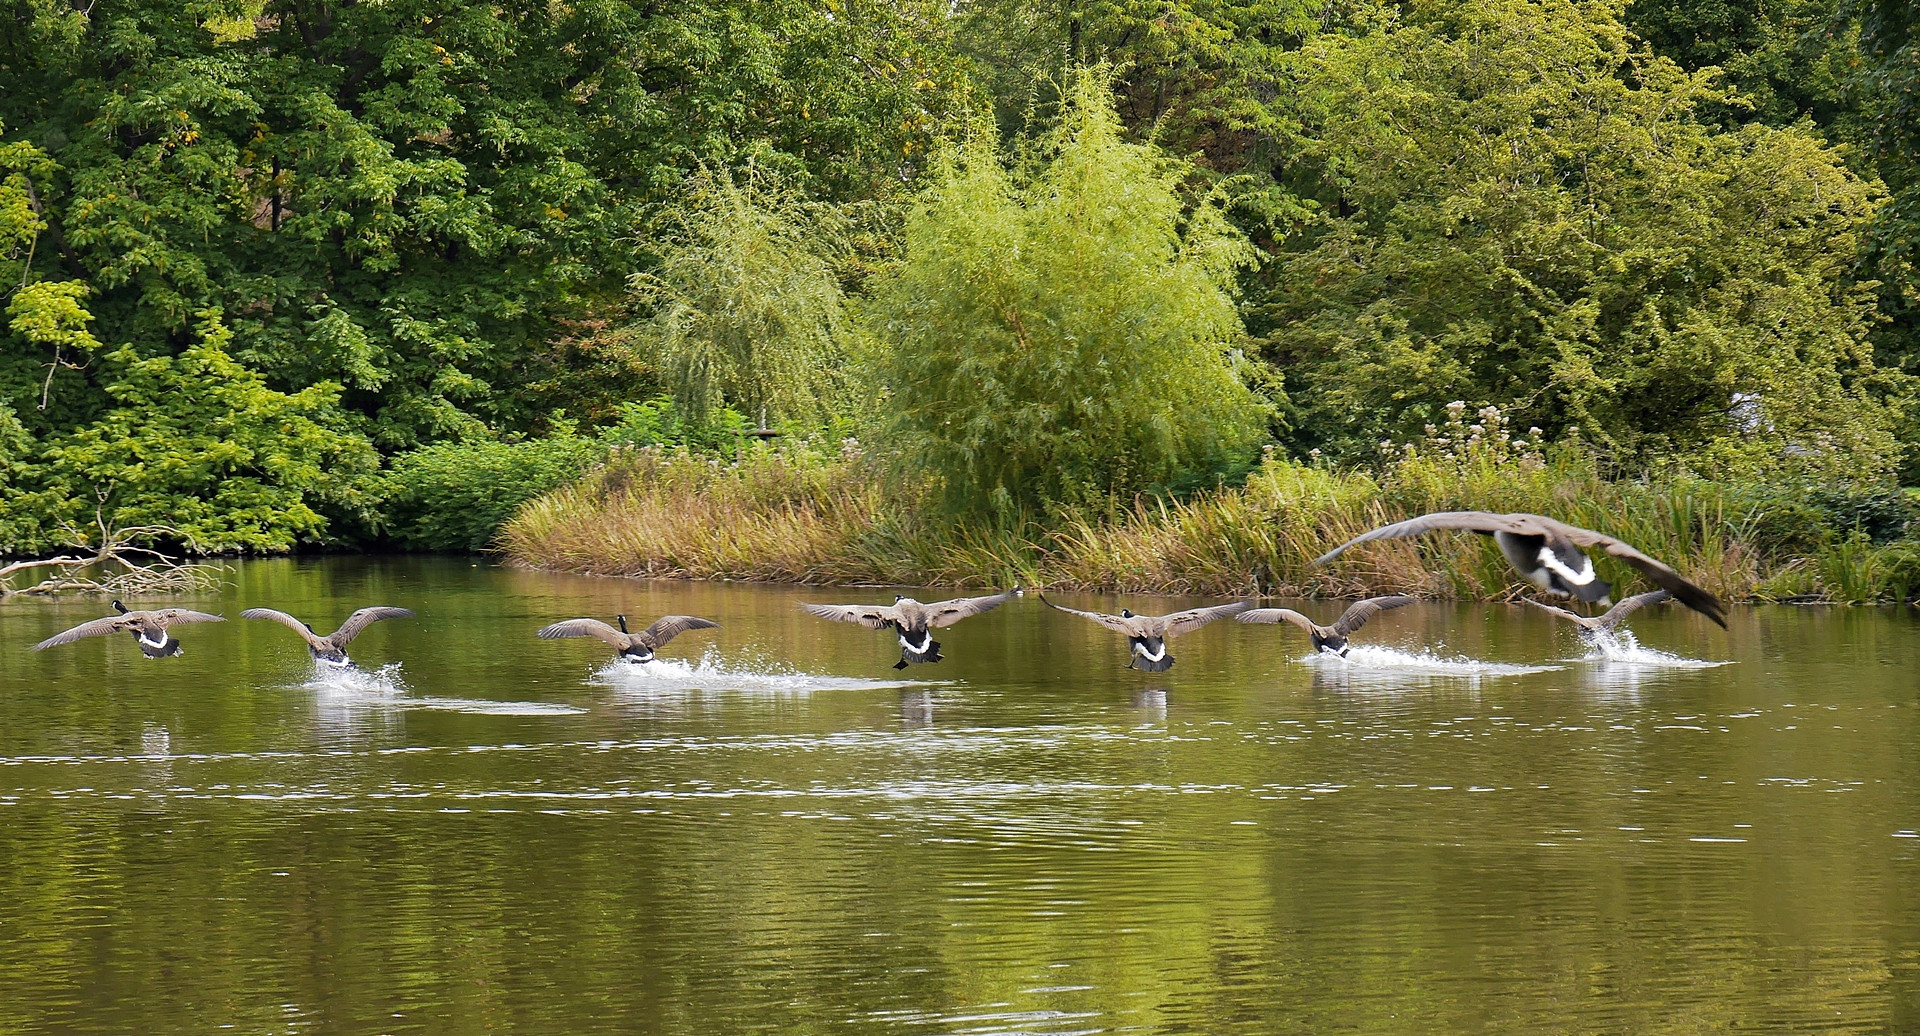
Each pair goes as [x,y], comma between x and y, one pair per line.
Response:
[197,448]
[1062,335]
[746,306]
[1566,240]
[1786,59]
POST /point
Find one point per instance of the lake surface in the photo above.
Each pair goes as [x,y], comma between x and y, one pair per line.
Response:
[772,830]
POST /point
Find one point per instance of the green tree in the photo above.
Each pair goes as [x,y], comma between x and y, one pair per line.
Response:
[745,304]
[1062,335]
[1566,240]
[198,449]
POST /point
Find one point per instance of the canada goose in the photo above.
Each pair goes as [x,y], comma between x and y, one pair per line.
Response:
[149,629]
[1147,635]
[331,648]
[1590,629]
[912,620]
[1331,639]
[633,647]
[1547,553]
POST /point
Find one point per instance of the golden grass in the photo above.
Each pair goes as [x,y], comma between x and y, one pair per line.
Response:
[797,515]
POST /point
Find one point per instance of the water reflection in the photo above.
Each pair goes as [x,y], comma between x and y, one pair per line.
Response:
[777,835]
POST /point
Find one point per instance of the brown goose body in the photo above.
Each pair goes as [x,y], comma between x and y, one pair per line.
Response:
[912,620]
[1331,639]
[331,648]
[1147,635]
[1591,627]
[633,647]
[1548,554]
[149,629]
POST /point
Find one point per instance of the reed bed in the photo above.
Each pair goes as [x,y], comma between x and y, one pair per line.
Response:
[802,514]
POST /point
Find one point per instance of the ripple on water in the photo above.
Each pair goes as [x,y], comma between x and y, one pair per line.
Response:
[1368,658]
[383,688]
[709,673]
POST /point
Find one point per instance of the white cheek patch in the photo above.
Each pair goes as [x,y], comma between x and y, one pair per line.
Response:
[1559,568]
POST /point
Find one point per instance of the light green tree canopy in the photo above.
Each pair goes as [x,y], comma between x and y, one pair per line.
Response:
[1061,333]
[1521,209]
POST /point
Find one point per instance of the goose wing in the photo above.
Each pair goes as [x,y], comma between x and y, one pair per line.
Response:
[96,628]
[1663,576]
[1472,521]
[946,613]
[1359,612]
[586,628]
[1194,618]
[1273,615]
[360,620]
[872,616]
[1115,623]
[668,627]
[1561,613]
[1627,607]
[176,616]
[286,620]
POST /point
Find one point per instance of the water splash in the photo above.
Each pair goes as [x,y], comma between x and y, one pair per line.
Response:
[710,673]
[346,687]
[1369,658]
[1618,647]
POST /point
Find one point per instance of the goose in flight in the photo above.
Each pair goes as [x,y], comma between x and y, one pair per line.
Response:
[1547,553]
[1147,635]
[1590,629]
[913,620]
[331,648]
[633,647]
[1331,639]
[149,629]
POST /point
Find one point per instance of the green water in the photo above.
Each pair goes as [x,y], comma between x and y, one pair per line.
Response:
[773,832]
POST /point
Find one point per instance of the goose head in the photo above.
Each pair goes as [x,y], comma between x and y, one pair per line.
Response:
[121,608]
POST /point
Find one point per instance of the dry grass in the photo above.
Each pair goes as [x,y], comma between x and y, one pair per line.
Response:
[801,515]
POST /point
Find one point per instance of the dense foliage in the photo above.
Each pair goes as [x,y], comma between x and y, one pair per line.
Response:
[1059,334]
[283,273]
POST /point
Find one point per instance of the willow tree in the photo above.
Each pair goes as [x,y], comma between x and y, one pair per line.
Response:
[746,307]
[1062,332]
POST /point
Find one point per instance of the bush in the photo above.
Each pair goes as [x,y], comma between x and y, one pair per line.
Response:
[454,495]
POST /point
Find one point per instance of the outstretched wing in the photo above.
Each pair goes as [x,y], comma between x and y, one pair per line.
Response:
[1664,577]
[585,628]
[1559,613]
[360,620]
[1472,521]
[946,613]
[1112,622]
[1629,606]
[872,616]
[1273,615]
[285,620]
[1194,618]
[177,616]
[97,628]
[668,627]
[1359,612]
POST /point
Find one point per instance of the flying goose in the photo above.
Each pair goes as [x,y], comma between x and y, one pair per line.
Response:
[633,647]
[913,620]
[149,629]
[331,648]
[1331,639]
[1591,628]
[1547,553]
[1147,635]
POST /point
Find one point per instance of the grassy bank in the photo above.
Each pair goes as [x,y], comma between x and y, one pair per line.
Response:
[800,514]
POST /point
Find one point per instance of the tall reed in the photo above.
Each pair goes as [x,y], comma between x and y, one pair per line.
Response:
[804,514]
